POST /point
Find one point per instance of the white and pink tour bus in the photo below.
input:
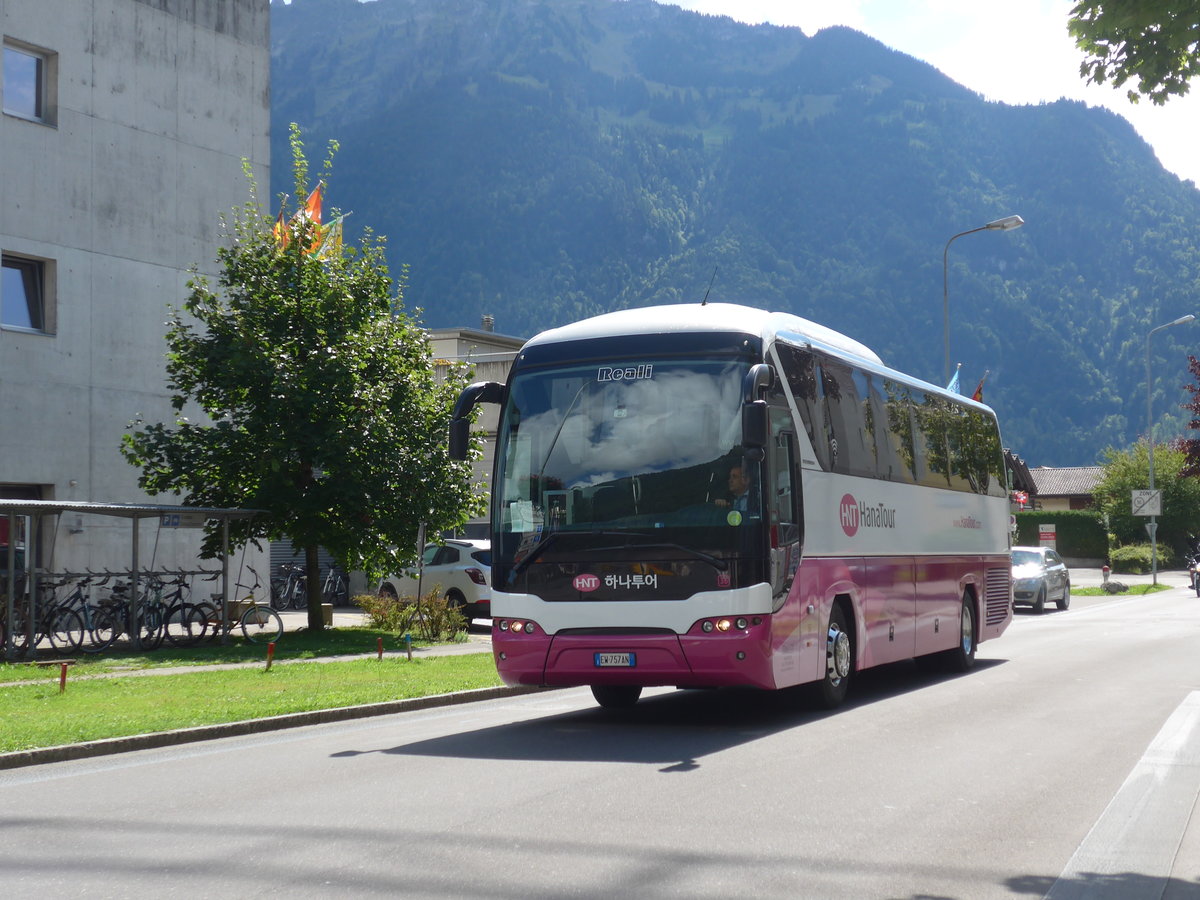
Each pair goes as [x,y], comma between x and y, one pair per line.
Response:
[709,495]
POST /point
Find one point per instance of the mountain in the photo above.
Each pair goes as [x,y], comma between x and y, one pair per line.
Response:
[545,160]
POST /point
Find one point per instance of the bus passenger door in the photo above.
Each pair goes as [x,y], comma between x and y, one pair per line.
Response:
[782,499]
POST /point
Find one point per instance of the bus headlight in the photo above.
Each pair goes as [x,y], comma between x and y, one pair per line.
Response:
[516,626]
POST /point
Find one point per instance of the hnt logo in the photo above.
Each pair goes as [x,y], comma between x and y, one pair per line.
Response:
[586,583]
[854,515]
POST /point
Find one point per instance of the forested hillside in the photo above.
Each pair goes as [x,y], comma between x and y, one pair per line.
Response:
[544,160]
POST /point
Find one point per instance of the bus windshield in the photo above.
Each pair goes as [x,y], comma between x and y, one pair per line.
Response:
[646,451]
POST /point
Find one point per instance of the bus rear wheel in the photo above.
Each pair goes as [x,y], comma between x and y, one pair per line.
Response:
[616,696]
[839,661]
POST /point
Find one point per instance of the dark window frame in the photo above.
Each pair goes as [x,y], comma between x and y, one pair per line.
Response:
[36,302]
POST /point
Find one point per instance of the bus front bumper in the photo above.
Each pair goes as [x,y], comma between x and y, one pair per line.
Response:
[738,657]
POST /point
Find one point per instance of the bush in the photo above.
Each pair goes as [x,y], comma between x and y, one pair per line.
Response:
[1135,559]
[433,620]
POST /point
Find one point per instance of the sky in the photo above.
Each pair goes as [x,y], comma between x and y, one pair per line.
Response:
[1012,51]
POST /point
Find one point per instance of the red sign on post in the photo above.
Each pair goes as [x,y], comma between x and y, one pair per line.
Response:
[1048,536]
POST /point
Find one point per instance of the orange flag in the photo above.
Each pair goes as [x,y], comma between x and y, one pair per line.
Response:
[279,230]
[312,207]
[311,211]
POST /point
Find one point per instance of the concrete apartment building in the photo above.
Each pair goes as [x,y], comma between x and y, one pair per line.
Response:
[124,127]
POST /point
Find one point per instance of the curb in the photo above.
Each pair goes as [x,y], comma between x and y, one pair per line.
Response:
[108,746]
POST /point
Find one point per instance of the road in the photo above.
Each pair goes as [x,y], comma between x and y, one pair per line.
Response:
[1045,771]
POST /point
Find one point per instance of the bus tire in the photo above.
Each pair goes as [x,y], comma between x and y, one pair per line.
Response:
[839,661]
[962,657]
[616,696]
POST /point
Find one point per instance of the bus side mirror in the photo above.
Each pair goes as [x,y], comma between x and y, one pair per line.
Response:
[460,418]
[460,435]
[754,428]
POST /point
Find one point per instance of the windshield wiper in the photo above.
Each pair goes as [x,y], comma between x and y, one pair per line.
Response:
[549,539]
[715,561]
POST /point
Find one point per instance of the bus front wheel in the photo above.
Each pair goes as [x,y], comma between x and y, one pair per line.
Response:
[616,696]
[962,657]
[839,661]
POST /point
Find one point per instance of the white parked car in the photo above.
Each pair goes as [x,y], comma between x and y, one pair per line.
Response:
[460,569]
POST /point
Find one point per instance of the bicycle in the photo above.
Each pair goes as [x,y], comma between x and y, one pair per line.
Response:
[185,624]
[334,590]
[260,624]
[77,603]
[291,590]
[54,623]
[116,616]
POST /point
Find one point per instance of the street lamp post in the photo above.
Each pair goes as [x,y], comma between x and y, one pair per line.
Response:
[1153,527]
[1006,224]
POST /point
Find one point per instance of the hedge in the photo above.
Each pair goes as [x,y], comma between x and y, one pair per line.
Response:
[1079,532]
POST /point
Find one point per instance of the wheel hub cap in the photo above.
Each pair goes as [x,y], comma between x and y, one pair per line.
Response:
[838,653]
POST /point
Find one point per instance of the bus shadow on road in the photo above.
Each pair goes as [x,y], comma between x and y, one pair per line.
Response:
[674,730]
[1105,884]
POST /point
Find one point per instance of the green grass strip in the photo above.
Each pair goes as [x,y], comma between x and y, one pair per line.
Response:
[294,645]
[1134,590]
[37,715]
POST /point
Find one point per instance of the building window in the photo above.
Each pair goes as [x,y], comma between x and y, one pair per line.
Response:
[25,293]
[29,78]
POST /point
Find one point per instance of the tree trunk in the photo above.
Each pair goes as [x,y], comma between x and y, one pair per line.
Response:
[312,568]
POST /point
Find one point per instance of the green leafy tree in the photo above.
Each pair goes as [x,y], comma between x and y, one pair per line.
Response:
[1128,470]
[318,396]
[1153,42]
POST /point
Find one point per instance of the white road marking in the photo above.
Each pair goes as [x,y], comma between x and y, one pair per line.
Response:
[1140,832]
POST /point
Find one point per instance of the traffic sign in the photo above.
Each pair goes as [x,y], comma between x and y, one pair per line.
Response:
[1147,503]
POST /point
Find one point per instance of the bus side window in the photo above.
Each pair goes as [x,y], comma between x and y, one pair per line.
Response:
[894,437]
[803,375]
[852,442]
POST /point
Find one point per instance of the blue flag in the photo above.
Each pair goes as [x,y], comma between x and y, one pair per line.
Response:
[953,385]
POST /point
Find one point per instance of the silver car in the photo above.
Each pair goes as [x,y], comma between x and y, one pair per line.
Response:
[1038,575]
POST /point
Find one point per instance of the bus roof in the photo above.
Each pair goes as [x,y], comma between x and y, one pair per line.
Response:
[704,317]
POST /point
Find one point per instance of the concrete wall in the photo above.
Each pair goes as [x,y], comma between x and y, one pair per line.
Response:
[155,104]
